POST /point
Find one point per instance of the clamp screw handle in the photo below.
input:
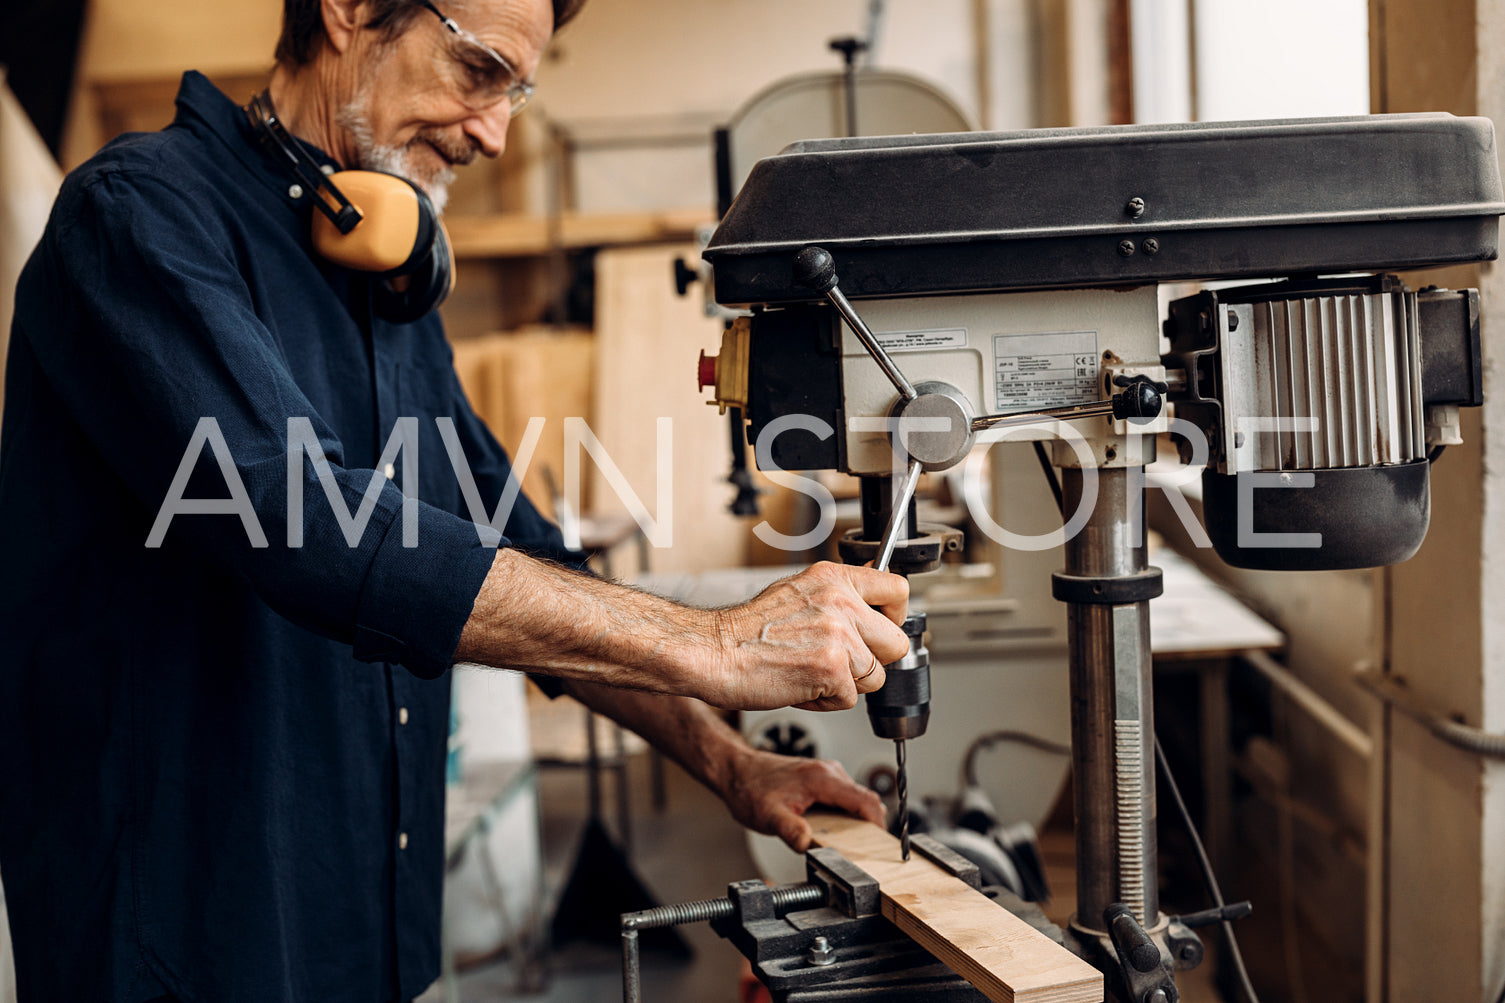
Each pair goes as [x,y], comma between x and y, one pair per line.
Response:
[1130,939]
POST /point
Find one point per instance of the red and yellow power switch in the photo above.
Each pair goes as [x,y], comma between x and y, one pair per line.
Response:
[727,373]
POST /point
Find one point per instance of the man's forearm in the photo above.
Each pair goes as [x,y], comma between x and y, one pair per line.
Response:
[804,641]
[541,617]
[682,728]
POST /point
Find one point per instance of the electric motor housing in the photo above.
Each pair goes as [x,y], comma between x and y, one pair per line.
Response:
[1320,401]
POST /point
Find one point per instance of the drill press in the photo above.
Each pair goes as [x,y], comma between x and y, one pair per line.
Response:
[933,428]
[1018,274]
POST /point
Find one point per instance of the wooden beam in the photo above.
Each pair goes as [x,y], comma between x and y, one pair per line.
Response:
[1004,957]
[1120,63]
[509,235]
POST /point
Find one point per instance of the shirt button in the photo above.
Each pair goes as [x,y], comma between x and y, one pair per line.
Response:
[402,841]
[402,715]
[390,470]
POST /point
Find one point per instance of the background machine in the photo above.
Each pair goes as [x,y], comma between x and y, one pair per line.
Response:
[910,296]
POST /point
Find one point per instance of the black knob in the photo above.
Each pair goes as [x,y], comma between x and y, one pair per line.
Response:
[683,276]
[848,47]
[814,268]
[1140,401]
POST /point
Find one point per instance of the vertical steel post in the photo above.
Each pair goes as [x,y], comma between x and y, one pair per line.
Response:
[632,971]
[1112,711]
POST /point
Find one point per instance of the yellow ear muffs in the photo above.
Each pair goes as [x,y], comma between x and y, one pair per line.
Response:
[392,226]
[422,287]
[399,237]
[368,221]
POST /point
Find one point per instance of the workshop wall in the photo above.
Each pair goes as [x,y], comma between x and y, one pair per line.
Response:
[1441,866]
[1424,820]
[639,85]
[131,40]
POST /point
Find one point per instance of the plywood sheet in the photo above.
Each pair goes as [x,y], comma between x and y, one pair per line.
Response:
[648,339]
[1005,958]
[511,379]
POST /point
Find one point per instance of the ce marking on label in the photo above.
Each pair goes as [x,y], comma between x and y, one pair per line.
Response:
[1084,360]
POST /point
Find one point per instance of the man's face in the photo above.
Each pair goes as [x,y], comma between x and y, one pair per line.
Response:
[414,111]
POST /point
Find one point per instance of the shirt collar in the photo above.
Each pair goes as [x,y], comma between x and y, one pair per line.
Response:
[200,101]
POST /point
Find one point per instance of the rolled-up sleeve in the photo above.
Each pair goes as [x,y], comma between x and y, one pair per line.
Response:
[410,595]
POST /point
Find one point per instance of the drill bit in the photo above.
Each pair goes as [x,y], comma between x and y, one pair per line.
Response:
[903,788]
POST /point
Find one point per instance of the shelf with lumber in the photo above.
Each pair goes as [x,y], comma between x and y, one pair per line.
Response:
[518,235]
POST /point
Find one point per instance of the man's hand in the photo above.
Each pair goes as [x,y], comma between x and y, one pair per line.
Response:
[813,641]
[770,794]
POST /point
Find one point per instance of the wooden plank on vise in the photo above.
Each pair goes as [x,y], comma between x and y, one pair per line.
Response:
[1005,958]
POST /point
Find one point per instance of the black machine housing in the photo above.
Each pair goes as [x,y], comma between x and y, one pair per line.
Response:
[1053,208]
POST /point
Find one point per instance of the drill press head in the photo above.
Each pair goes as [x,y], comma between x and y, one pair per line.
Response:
[1019,270]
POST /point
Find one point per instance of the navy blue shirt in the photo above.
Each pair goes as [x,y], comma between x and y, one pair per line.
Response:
[222,765]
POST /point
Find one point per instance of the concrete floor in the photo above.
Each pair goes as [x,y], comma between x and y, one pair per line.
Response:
[691,850]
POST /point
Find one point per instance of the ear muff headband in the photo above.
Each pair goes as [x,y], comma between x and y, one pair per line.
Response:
[369,221]
[294,158]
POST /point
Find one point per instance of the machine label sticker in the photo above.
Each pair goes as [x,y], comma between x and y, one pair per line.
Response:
[916,341]
[1042,370]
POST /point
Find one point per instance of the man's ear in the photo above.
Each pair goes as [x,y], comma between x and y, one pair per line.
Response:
[342,19]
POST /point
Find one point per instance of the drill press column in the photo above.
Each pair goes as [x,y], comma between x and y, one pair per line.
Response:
[1107,587]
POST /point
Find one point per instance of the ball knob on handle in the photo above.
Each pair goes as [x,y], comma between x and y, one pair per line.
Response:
[815,269]
[1140,401]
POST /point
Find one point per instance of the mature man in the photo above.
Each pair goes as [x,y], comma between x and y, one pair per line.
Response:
[223,754]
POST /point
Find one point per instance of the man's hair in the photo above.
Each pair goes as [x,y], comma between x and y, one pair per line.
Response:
[303,24]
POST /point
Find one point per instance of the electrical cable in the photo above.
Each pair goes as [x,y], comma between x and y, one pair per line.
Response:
[1434,453]
[1208,876]
[985,741]
[1050,474]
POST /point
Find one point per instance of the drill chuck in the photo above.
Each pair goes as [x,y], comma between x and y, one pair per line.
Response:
[901,709]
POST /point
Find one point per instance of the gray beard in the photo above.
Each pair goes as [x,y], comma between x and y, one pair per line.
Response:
[373,156]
